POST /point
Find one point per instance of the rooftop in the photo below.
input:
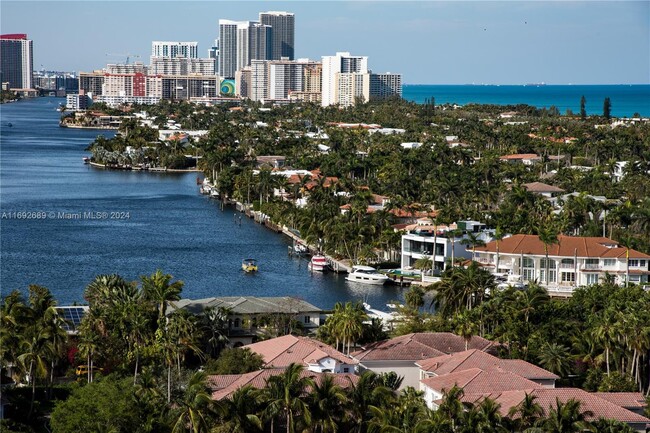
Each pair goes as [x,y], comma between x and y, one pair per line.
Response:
[477,381]
[248,304]
[282,351]
[419,346]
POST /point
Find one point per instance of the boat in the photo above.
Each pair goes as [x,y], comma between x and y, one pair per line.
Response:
[249,265]
[366,275]
[300,249]
[318,263]
[86,160]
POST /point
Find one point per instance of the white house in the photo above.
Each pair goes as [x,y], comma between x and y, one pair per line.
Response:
[572,261]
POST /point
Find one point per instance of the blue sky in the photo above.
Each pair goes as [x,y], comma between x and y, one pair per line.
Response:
[428,42]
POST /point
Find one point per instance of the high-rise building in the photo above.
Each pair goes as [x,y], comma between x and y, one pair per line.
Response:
[253,43]
[352,86]
[181,66]
[188,50]
[383,86]
[228,47]
[342,62]
[213,53]
[16,61]
[283,25]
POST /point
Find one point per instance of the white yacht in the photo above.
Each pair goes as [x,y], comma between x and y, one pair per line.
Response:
[318,263]
[366,275]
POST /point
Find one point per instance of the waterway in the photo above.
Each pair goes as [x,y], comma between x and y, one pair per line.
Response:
[160,222]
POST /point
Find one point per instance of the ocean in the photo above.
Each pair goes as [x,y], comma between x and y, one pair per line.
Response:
[626,100]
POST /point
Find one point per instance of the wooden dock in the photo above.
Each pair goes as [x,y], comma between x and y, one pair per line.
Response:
[338,266]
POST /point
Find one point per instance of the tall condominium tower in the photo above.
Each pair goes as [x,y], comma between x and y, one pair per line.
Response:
[228,47]
[253,42]
[16,61]
[334,65]
[188,50]
[283,24]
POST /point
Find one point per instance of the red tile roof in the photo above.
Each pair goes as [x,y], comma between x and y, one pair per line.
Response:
[419,346]
[477,381]
[627,400]
[546,398]
[541,187]
[281,352]
[518,156]
[567,246]
[223,385]
[478,359]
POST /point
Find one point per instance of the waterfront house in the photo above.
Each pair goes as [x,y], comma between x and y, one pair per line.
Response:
[224,385]
[572,261]
[422,237]
[250,317]
[473,358]
[314,355]
[400,354]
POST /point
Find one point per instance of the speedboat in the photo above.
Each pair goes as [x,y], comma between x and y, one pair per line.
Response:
[318,263]
[249,265]
[366,275]
[300,249]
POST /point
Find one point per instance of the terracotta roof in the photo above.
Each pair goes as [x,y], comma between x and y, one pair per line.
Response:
[281,352]
[223,385]
[477,359]
[546,398]
[477,381]
[518,156]
[628,400]
[567,246]
[541,187]
[419,346]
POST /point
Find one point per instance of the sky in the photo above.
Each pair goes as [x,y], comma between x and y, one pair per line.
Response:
[428,42]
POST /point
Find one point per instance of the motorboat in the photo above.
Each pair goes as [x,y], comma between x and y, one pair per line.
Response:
[86,160]
[366,275]
[300,249]
[249,265]
[318,263]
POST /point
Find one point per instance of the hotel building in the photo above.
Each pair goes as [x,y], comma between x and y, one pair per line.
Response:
[16,61]
[283,33]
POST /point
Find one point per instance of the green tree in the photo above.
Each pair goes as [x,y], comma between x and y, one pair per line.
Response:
[567,418]
[607,108]
[240,411]
[583,111]
[194,407]
[236,361]
[284,394]
[158,288]
[555,358]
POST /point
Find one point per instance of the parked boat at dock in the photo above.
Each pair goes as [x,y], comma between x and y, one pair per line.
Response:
[318,263]
[366,275]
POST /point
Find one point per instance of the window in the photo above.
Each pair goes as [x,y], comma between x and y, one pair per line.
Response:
[633,263]
[592,279]
[237,322]
[528,262]
[568,277]
[609,262]
[346,369]
[552,275]
[307,320]
[591,261]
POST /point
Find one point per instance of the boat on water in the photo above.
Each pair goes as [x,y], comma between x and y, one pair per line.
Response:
[249,265]
[318,263]
[300,249]
[366,275]
[86,160]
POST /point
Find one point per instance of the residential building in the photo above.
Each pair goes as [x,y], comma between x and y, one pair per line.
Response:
[244,82]
[224,385]
[424,238]
[314,355]
[188,50]
[213,53]
[91,83]
[181,66]
[128,68]
[277,79]
[76,101]
[522,158]
[228,48]
[543,189]
[351,87]
[252,316]
[16,61]
[572,261]
[468,359]
[253,42]
[283,33]
[400,354]
[386,85]
[342,62]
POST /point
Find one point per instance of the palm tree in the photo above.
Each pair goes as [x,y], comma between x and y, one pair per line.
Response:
[626,241]
[548,236]
[555,358]
[240,410]
[567,418]
[605,332]
[35,350]
[327,404]
[194,406]
[498,236]
[157,288]
[465,328]
[474,241]
[284,394]
[526,413]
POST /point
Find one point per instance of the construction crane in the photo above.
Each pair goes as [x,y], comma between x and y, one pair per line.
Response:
[128,56]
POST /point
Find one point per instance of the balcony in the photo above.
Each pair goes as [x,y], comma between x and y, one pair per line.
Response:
[567,266]
[591,267]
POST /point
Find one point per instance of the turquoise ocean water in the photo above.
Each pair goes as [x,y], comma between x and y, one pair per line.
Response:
[626,100]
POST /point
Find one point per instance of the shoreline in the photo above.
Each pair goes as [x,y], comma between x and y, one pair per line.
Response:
[154,170]
[112,128]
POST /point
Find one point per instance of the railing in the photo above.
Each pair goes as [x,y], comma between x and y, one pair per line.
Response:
[591,266]
[567,265]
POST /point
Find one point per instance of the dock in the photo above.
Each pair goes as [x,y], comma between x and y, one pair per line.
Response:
[338,266]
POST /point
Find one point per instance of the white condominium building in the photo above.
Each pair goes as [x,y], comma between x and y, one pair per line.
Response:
[189,50]
[228,47]
[342,62]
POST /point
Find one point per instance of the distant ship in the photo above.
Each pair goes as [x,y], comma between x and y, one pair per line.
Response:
[535,84]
